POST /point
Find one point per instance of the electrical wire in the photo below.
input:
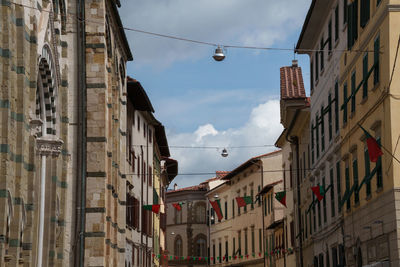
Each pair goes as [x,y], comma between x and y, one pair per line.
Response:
[74,16]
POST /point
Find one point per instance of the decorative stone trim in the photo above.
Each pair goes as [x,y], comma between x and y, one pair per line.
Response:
[48,146]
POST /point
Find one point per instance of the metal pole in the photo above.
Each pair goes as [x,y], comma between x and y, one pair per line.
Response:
[42,208]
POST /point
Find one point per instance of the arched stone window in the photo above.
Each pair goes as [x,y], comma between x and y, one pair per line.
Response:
[200,242]
[46,93]
[200,212]
[178,246]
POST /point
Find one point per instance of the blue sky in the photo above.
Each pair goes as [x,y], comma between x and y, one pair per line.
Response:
[207,103]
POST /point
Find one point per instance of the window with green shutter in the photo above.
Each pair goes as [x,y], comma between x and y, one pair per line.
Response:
[365,75]
[322,129]
[233,208]
[330,37]
[314,215]
[352,30]
[355,181]
[336,106]
[312,143]
[336,23]
[312,76]
[330,116]
[245,207]
[353,92]
[347,177]
[345,103]
[332,191]
[317,134]
[338,187]
[364,12]
[376,60]
[321,53]
[259,240]
[367,171]
[319,213]
[324,200]
[345,9]
[226,210]
[379,175]
[316,66]
[252,198]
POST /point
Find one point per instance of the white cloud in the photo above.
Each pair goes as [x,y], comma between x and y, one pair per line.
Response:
[235,22]
[262,128]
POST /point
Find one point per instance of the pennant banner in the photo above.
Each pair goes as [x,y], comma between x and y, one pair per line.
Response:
[318,191]
[177,206]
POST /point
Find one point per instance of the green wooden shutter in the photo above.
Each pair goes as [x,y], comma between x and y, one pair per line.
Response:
[353,93]
[338,187]
[365,74]
[364,10]
[345,103]
[367,170]
[379,175]
[317,134]
[355,181]
[376,60]
[332,193]
[330,116]
[347,177]
[316,65]
[322,129]
[324,200]
[336,23]
[336,106]
[321,53]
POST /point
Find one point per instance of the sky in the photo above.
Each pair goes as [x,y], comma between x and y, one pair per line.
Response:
[232,104]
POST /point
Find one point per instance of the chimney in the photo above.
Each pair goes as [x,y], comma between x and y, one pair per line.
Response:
[294,63]
[175,186]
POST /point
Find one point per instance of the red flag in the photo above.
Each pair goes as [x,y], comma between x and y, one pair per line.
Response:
[217,209]
[177,206]
[318,192]
[374,149]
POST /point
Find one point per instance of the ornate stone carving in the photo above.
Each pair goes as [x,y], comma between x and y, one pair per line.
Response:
[48,146]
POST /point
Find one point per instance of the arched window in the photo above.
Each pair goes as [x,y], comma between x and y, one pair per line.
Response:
[200,212]
[201,247]
[178,249]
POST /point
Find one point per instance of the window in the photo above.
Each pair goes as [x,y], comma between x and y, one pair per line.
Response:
[379,176]
[378,2]
[201,245]
[314,215]
[178,246]
[347,178]
[321,260]
[150,136]
[330,116]
[345,11]
[336,107]
[150,176]
[246,251]
[144,129]
[312,143]
[245,207]
[316,65]
[200,212]
[226,210]
[355,181]
[336,23]
[226,250]
[376,60]
[317,134]
[353,92]
[252,197]
[345,103]
[138,166]
[321,53]
[138,123]
[253,245]
[290,176]
[259,197]
[319,213]
[324,200]
[367,171]
[259,240]
[220,252]
[214,254]
[233,208]
[330,37]
[240,243]
[269,206]
[233,246]
[352,17]
[334,256]
[364,12]
[322,129]
[338,189]
[312,76]
[365,75]
[212,216]
[332,193]
[144,172]
[178,216]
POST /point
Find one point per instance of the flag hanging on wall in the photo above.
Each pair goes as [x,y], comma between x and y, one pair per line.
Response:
[217,208]
[374,149]
[243,201]
[154,208]
[177,206]
[318,191]
[281,197]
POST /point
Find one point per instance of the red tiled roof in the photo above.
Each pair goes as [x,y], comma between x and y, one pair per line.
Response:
[221,174]
[292,85]
[200,187]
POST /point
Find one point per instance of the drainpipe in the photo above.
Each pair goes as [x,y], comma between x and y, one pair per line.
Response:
[42,209]
[81,134]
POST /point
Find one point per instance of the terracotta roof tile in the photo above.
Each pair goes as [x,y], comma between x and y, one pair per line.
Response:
[201,187]
[292,85]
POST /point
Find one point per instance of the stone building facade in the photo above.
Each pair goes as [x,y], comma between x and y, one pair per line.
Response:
[187,231]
